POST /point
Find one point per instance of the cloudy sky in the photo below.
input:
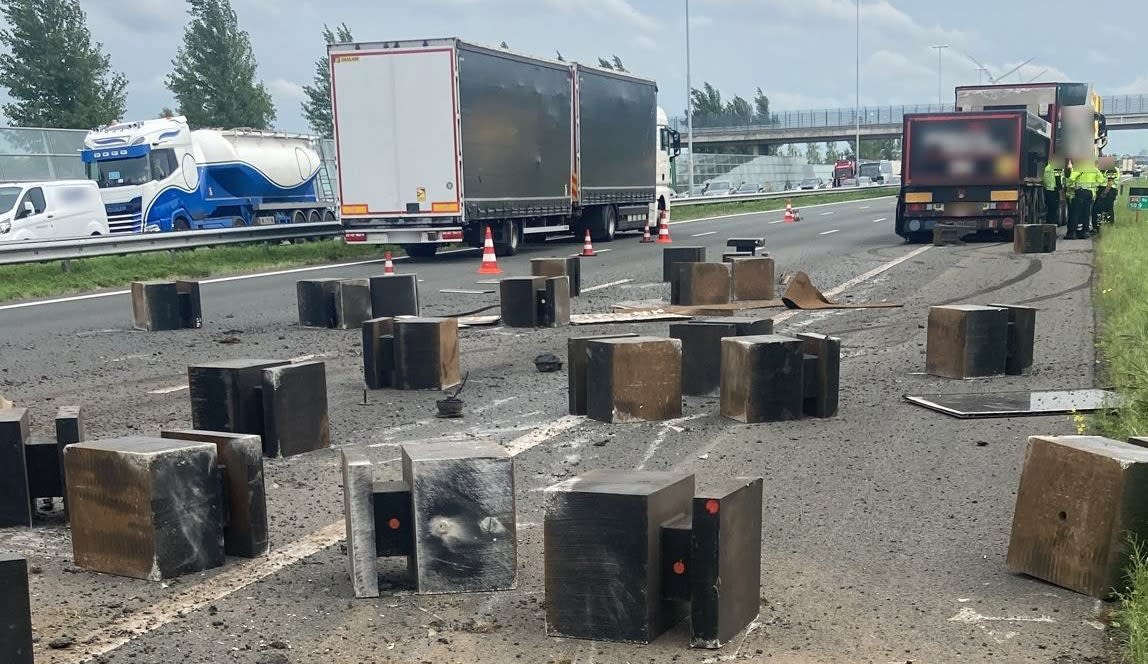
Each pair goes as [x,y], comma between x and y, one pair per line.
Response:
[800,52]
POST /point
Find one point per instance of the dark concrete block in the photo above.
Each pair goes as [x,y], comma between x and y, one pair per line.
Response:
[240,458]
[225,395]
[603,551]
[394,519]
[1049,238]
[701,283]
[554,303]
[966,341]
[753,278]
[671,256]
[155,306]
[560,267]
[1033,238]
[190,304]
[146,508]
[394,295]
[42,458]
[334,303]
[746,245]
[69,429]
[822,372]
[295,417]
[634,379]
[762,378]
[352,303]
[745,326]
[462,497]
[359,516]
[1021,339]
[701,354]
[15,500]
[379,353]
[518,300]
[725,577]
[1080,499]
[15,611]
[677,563]
[576,358]
[426,353]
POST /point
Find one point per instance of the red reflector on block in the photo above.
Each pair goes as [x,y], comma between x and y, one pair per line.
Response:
[452,236]
[394,524]
[679,567]
[355,237]
[712,506]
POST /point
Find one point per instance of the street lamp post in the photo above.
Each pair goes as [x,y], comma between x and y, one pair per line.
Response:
[857,101]
[689,106]
[940,90]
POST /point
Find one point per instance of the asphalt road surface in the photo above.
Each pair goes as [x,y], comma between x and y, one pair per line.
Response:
[885,528]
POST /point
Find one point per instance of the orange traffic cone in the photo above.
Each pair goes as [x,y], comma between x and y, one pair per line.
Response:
[587,248]
[664,227]
[790,213]
[388,264]
[489,261]
[646,238]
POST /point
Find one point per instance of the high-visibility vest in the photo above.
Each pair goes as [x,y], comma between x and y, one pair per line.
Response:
[1087,176]
[1052,174]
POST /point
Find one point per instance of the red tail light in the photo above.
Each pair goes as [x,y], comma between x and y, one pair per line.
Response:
[1010,205]
[915,207]
[355,237]
[1007,223]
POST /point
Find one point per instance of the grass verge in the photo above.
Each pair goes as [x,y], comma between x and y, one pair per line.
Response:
[1131,618]
[717,209]
[32,280]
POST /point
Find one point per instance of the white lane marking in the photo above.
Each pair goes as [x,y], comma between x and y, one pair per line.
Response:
[864,207]
[967,615]
[877,221]
[804,207]
[605,286]
[704,234]
[543,433]
[601,251]
[169,390]
[463,291]
[313,356]
[779,221]
[826,214]
[835,230]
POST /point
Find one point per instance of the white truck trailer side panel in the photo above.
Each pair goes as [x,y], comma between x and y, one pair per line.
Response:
[396,132]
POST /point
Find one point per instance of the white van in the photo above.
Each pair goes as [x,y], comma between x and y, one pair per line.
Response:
[51,210]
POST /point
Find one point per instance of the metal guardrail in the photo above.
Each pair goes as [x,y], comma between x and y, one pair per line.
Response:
[15,253]
[748,198]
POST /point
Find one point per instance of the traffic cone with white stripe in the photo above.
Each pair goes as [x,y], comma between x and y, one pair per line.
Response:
[587,248]
[646,237]
[664,227]
[790,213]
[388,264]
[489,260]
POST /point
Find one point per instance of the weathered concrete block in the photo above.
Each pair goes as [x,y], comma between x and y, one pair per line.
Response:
[225,395]
[359,516]
[700,284]
[1021,338]
[379,353]
[725,574]
[155,306]
[1049,237]
[671,256]
[576,358]
[554,302]
[240,458]
[69,429]
[560,267]
[190,304]
[822,372]
[518,300]
[394,519]
[701,354]
[42,458]
[634,379]
[15,610]
[295,417]
[753,278]
[745,326]
[731,256]
[1033,238]
[426,353]
[762,378]
[603,552]
[146,508]
[15,500]
[966,341]
[334,303]
[462,497]
[1079,499]
[746,245]
[394,295]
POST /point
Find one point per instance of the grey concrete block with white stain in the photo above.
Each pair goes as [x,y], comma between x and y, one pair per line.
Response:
[462,495]
[359,516]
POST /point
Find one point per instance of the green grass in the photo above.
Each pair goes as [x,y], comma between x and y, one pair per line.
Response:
[1131,617]
[19,282]
[718,209]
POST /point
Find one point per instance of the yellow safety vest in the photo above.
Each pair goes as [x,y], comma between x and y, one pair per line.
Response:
[1051,175]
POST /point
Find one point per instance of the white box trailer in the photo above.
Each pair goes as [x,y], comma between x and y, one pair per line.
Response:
[439,139]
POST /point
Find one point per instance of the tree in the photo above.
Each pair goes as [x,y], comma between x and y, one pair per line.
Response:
[166,112]
[738,111]
[706,103]
[605,64]
[832,154]
[213,79]
[813,153]
[761,107]
[317,106]
[56,76]
[618,66]
[791,151]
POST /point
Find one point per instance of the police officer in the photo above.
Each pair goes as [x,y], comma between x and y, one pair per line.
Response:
[1109,188]
[1084,182]
[1053,184]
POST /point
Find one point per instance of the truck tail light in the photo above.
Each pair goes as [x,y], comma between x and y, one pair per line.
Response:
[452,236]
[354,237]
[1003,205]
[1007,223]
[915,207]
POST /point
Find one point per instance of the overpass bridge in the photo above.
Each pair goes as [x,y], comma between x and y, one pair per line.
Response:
[877,122]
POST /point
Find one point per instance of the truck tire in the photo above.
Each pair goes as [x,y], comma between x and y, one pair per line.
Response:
[298,217]
[179,224]
[420,251]
[604,223]
[328,215]
[313,217]
[513,235]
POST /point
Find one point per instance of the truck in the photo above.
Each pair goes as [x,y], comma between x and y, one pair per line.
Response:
[872,170]
[160,175]
[843,169]
[439,140]
[979,170]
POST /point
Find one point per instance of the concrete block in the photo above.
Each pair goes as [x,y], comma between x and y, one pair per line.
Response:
[359,516]
[394,519]
[554,302]
[426,353]
[762,378]
[379,353]
[560,267]
[745,326]
[155,306]
[15,500]
[603,554]
[295,417]
[822,373]
[1079,499]
[394,295]
[725,572]
[190,304]
[334,303]
[634,379]
[753,278]
[746,245]
[966,341]
[678,254]
[225,395]
[1033,238]
[69,429]
[462,497]
[731,256]
[701,354]
[576,358]
[518,300]
[146,508]
[15,610]
[1049,237]
[42,458]
[1021,339]
[240,458]
[700,284]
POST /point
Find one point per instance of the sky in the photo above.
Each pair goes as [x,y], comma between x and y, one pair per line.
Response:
[800,52]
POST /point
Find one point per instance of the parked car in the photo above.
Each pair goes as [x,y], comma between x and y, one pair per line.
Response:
[812,183]
[51,210]
[746,188]
[717,188]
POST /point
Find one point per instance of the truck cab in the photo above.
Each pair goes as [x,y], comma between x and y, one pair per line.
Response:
[669,148]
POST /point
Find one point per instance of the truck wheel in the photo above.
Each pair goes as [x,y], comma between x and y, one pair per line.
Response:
[313,217]
[418,251]
[605,224]
[298,217]
[328,215]
[513,241]
[179,224]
